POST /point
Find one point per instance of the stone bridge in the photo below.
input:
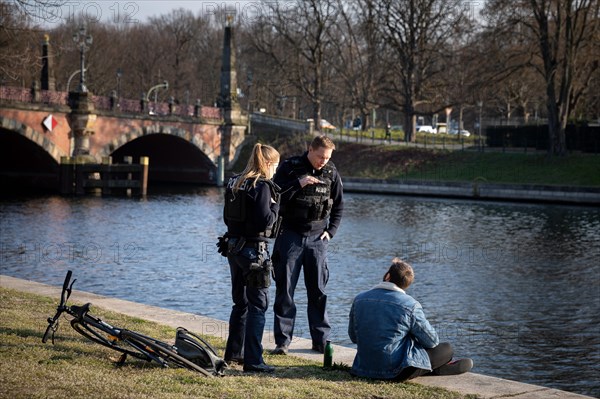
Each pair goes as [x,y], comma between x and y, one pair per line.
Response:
[40,128]
[184,143]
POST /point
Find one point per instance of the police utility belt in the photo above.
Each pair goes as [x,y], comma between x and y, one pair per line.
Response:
[233,245]
[257,261]
[236,244]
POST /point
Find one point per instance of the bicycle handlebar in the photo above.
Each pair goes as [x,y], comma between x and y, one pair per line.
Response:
[66,288]
[64,297]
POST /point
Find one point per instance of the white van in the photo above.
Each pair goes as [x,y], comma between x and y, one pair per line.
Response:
[426,129]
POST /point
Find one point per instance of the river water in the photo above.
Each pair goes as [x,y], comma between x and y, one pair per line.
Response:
[516,287]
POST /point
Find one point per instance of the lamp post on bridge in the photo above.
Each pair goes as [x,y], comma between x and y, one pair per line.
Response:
[71,78]
[82,117]
[119,74]
[164,85]
[84,41]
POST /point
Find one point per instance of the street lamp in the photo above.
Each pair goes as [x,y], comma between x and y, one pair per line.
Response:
[119,74]
[84,41]
[164,85]
[71,78]
[249,81]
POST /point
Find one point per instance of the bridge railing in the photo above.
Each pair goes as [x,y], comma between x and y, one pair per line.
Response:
[108,103]
[19,94]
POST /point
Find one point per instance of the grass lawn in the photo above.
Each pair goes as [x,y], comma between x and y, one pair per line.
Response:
[417,163]
[397,162]
[77,368]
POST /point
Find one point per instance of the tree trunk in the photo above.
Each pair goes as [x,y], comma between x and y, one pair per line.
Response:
[409,123]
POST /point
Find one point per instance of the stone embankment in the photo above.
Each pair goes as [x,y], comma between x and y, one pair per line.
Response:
[479,190]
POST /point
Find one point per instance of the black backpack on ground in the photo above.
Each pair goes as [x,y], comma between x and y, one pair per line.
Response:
[198,351]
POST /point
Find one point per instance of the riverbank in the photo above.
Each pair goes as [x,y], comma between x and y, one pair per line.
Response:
[477,190]
[455,172]
[290,381]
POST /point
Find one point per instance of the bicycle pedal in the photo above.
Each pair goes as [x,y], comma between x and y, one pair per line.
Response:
[121,360]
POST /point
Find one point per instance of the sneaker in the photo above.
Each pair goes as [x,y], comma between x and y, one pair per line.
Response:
[453,367]
[318,348]
[279,350]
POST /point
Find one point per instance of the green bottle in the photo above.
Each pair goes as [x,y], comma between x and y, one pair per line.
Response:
[328,355]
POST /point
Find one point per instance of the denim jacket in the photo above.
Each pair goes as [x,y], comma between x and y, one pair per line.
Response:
[390,331]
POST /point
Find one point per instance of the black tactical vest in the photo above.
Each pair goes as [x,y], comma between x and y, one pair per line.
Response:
[237,208]
[313,202]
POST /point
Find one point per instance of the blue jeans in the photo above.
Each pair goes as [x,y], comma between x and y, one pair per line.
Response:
[247,319]
[291,252]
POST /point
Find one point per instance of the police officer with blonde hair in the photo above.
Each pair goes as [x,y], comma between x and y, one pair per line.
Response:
[251,214]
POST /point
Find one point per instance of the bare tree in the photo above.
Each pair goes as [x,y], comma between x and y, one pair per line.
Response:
[562,38]
[419,34]
[295,36]
[358,60]
[179,32]
[40,9]
[20,58]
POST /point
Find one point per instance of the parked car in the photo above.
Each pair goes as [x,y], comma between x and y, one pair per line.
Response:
[426,129]
[462,132]
[324,124]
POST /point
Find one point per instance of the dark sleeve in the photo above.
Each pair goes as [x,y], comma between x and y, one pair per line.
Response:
[224,218]
[287,180]
[337,194]
[266,209]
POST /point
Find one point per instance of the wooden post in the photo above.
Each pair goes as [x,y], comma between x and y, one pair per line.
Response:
[106,176]
[145,162]
[128,160]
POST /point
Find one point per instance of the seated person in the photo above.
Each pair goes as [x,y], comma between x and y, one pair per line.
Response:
[394,339]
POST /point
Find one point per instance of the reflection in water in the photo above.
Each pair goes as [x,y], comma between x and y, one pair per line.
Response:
[515,287]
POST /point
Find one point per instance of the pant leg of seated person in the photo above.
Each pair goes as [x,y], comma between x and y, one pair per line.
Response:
[442,363]
[438,356]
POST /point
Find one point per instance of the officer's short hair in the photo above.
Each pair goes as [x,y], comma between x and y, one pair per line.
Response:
[401,273]
[322,141]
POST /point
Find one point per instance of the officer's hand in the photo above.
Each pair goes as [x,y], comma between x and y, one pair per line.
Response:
[306,180]
[325,236]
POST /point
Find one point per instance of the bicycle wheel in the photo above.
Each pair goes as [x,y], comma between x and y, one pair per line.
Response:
[96,331]
[161,352]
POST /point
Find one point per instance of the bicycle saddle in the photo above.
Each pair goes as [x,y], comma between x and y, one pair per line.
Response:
[81,310]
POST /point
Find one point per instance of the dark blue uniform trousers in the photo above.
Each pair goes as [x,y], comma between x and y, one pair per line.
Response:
[291,252]
[247,319]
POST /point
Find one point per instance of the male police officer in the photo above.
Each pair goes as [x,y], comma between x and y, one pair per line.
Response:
[311,207]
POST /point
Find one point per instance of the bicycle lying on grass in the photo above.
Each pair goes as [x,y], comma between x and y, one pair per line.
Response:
[190,351]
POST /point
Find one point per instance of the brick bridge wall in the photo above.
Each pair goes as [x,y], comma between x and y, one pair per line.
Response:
[22,111]
[112,130]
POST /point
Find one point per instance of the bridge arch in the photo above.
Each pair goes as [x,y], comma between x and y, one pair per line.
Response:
[33,135]
[176,155]
[196,140]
